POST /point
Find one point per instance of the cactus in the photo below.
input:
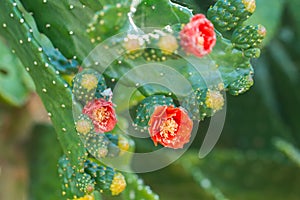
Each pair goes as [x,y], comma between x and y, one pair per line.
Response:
[34,50]
[87,85]
[82,110]
[15,82]
[229,14]
[146,108]
[106,178]
[204,103]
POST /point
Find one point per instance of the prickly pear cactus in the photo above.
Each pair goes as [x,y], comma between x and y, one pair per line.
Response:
[104,44]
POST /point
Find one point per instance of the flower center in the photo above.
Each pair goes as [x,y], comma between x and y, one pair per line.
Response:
[168,127]
[102,115]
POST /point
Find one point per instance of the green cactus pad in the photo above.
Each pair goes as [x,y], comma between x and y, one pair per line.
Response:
[64,22]
[252,53]
[62,64]
[103,177]
[246,37]
[107,22]
[34,50]
[98,144]
[241,85]
[87,85]
[147,106]
[16,84]
[229,14]
[203,103]
[74,183]
[154,10]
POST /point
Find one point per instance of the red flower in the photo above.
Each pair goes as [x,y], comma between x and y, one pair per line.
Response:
[102,114]
[170,126]
[198,36]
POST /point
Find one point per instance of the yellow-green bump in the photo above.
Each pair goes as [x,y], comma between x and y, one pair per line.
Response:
[89,81]
[86,197]
[214,100]
[83,126]
[168,44]
[250,5]
[118,184]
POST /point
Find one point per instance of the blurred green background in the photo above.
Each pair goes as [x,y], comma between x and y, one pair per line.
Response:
[257,156]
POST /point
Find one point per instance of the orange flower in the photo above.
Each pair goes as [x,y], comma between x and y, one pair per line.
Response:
[198,36]
[102,114]
[170,126]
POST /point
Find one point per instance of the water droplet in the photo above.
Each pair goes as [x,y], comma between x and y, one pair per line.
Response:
[11,15]
[4,25]
[64,129]
[63,105]
[48,25]
[44,1]
[53,82]
[35,63]
[21,20]
[46,65]
[71,7]
[71,32]
[44,90]
[21,41]
[27,69]
[49,114]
